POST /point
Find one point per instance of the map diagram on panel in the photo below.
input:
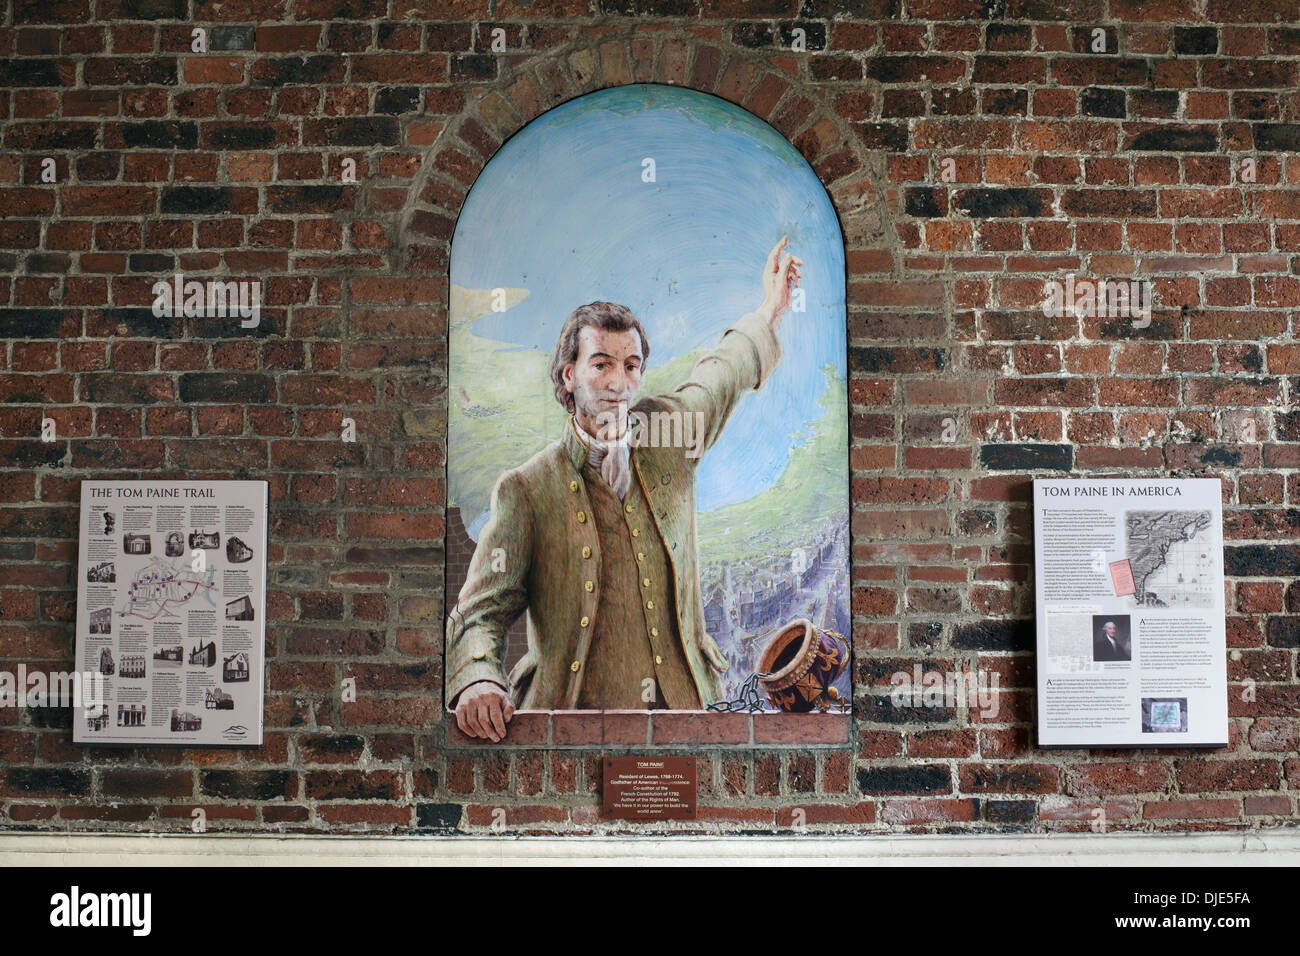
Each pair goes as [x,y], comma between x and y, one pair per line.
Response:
[159,588]
[1171,557]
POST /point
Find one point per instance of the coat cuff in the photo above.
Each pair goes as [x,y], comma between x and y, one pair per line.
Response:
[471,674]
[472,658]
[759,331]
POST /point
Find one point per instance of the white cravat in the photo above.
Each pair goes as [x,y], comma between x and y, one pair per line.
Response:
[616,468]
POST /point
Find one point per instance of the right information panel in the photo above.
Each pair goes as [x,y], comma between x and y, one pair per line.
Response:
[1129,597]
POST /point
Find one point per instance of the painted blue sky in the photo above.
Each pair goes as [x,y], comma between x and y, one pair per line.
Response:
[562,211]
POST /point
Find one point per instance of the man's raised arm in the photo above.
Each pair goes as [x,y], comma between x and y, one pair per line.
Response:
[743,360]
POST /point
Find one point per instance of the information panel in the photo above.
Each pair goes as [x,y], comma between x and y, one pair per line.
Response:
[650,788]
[1128,588]
[171,612]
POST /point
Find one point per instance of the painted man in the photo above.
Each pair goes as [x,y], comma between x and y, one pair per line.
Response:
[594,536]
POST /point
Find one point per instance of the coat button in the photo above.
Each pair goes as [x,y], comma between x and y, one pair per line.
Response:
[574,666]
[585,620]
[582,517]
[654,632]
[645,582]
[573,486]
[640,555]
[629,508]
[586,551]
[589,585]
[658,659]
[636,532]
[650,605]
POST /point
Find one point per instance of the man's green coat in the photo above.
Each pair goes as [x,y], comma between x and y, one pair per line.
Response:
[547,555]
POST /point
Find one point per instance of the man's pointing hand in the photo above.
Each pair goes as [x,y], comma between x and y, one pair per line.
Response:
[781,275]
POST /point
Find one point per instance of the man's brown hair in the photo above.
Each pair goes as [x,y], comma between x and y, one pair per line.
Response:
[600,315]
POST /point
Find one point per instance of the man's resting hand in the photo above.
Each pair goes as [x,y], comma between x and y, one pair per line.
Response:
[483,710]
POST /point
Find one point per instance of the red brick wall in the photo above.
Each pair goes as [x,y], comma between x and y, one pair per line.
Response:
[1066,161]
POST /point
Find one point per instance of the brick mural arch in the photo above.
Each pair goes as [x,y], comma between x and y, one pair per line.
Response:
[843,164]
[767,86]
